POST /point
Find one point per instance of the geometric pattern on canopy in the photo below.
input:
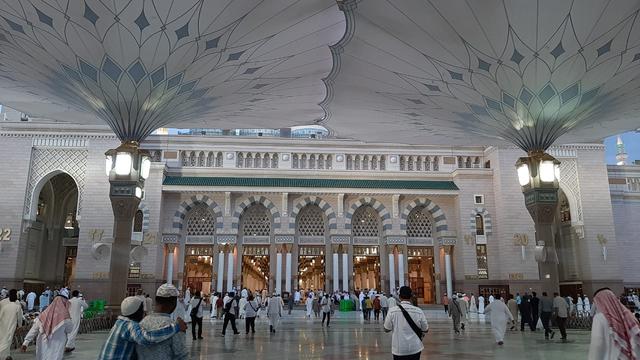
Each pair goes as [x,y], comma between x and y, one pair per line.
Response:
[138,65]
[492,71]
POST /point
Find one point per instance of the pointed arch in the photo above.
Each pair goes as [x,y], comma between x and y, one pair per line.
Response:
[275,213]
[435,210]
[314,200]
[377,205]
[183,209]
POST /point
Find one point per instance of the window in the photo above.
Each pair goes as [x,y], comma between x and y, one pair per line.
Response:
[310,221]
[365,222]
[419,223]
[478,199]
[200,221]
[137,221]
[481,258]
[479,225]
[256,221]
[134,270]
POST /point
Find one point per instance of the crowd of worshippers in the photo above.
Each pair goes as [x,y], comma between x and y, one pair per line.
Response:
[55,320]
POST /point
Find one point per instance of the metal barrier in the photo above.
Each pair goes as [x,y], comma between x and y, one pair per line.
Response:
[98,323]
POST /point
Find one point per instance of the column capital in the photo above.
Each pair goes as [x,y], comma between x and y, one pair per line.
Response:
[171,247]
[448,249]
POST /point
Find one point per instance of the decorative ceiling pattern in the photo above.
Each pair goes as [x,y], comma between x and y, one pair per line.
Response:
[414,71]
[141,64]
[487,72]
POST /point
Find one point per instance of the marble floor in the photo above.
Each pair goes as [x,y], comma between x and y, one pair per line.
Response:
[350,338]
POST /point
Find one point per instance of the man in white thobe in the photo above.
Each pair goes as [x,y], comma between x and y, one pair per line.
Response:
[480,304]
[587,306]
[309,304]
[580,306]
[10,319]
[491,298]
[76,307]
[500,315]
[31,301]
[474,309]
[274,312]
[296,297]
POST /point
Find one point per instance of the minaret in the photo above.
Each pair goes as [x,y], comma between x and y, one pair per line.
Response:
[621,155]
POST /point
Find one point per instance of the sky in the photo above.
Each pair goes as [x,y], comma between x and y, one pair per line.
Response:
[631,142]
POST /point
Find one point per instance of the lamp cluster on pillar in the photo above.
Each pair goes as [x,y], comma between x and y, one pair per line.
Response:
[539,176]
[127,167]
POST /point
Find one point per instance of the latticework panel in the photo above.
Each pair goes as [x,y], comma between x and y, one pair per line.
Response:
[419,223]
[310,221]
[256,221]
[201,221]
[366,222]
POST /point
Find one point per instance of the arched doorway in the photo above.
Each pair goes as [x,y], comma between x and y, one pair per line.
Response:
[256,226]
[366,224]
[198,259]
[52,240]
[566,243]
[311,227]
[420,258]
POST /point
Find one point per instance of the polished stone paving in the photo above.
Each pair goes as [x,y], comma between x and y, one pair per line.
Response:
[350,338]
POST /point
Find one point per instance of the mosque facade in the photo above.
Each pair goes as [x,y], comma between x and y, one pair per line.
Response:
[225,212]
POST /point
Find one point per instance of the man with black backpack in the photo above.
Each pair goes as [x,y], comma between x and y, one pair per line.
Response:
[230,306]
[408,324]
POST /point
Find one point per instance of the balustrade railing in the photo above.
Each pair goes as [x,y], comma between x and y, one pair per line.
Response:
[324,161]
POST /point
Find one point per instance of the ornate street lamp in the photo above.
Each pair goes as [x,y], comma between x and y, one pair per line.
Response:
[539,176]
[127,167]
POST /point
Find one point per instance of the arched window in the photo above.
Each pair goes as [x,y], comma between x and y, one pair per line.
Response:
[219,159]
[349,162]
[468,163]
[312,161]
[248,161]
[185,158]
[274,161]
[403,161]
[200,221]
[137,221]
[192,159]
[240,160]
[256,221]
[383,162]
[479,225]
[419,223]
[365,222]
[436,166]
[310,221]
[328,164]
[294,160]
[210,159]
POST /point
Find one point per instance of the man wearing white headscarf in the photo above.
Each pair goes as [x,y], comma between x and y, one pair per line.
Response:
[274,312]
[76,306]
[50,330]
[500,315]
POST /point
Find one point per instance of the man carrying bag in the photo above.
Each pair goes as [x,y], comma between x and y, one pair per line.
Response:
[408,324]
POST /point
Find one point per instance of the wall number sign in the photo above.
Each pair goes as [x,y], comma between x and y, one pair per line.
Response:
[5,234]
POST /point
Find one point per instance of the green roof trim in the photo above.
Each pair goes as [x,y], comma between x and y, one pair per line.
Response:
[310,183]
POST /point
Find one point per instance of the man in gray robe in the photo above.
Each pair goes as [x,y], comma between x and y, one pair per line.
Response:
[455,312]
